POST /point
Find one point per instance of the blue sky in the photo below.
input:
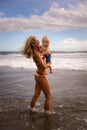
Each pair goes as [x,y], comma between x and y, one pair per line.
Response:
[65,22]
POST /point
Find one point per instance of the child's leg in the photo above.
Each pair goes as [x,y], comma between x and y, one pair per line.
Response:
[51,70]
[50,67]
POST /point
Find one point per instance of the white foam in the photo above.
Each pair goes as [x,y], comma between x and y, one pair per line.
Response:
[68,61]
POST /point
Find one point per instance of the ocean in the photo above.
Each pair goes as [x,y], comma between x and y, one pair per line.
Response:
[65,61]
[68,88]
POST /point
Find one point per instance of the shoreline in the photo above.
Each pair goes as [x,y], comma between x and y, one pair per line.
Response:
[34,69]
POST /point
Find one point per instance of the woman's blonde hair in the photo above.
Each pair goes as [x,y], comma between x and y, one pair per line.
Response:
[27,49]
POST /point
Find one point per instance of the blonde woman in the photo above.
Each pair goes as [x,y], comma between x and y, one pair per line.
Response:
[32,50]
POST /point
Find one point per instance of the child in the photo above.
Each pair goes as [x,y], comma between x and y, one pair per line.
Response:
[45,50]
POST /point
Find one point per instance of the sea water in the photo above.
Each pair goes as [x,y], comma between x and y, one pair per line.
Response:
[66,61]
[69,96]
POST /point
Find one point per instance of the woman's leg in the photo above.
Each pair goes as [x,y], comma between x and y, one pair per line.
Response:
[36,93]
[45,86]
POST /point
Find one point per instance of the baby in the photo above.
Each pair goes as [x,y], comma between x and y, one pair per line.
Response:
[45,50]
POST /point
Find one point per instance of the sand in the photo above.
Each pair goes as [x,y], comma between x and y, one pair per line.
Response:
[69,100]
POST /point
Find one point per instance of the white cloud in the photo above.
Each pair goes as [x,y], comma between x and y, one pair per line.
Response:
[71,44]
[56,19]
[36,10]
[1,14]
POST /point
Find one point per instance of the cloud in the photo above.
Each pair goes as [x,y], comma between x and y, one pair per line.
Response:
[71,44]
[1,14]
[55,19]
[35,10]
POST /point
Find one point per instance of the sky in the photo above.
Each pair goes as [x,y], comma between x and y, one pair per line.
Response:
[63,21]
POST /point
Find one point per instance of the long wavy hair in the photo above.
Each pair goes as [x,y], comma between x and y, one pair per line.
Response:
[27,49]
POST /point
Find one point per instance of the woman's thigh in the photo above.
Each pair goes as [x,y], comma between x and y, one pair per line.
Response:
[37,89]
[44,84]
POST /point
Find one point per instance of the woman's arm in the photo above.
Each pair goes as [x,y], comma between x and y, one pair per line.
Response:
[39,61]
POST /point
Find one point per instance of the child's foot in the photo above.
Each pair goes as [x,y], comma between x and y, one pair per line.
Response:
[51,71]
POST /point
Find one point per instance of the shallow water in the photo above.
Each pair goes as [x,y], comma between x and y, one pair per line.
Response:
[69,101]
[15,114]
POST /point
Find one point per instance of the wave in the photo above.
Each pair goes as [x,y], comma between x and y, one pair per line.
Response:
[67,61]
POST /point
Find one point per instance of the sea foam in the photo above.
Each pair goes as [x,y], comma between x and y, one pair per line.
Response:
[67,61]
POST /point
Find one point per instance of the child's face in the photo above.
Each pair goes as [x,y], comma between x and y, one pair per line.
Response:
[45,43]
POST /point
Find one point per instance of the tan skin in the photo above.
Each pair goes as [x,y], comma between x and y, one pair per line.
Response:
[42,82]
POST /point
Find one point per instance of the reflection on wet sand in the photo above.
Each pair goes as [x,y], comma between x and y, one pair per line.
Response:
[69,101]
[15,114]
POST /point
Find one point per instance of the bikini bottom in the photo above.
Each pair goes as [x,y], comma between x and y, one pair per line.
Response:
[40,74]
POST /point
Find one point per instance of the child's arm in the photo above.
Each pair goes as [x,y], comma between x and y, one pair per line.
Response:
[47,52]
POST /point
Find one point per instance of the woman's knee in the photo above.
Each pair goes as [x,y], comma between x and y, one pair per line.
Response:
[48,96]
[37,95]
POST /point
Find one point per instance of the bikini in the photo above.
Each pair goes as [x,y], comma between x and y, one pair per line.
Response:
[40,74]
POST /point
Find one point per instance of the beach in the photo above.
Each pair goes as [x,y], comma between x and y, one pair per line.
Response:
[68,103]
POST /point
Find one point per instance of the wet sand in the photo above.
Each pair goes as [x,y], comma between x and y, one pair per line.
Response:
[69,101]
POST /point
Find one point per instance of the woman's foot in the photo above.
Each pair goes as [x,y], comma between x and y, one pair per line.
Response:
[32,109]
[48,112]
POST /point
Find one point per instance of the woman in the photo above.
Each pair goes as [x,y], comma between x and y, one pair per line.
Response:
[31,49]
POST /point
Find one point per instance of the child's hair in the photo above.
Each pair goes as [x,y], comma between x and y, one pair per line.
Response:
[45,38]
[27,49]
